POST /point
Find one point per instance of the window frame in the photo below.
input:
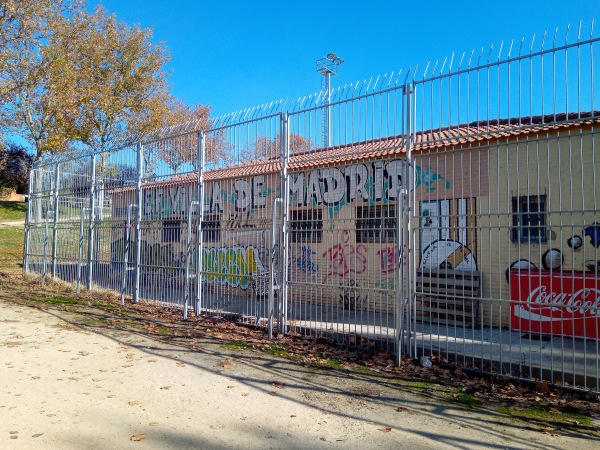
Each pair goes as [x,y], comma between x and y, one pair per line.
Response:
[171,230]
[313,232]
[376,227]
[522,213]
[211,234]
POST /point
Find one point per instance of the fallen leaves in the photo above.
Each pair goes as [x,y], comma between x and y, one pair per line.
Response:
[137,437]
[165,388]
[385,429]
[134,403]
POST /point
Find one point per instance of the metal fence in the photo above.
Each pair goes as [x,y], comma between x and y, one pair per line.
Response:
[453,214]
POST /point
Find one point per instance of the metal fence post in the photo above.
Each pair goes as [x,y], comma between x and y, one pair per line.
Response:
[403,236]
[285,192]
[273,276]
[55,224]
[91,224]
[138,219]
[80,249]
[27,224]
[199,267]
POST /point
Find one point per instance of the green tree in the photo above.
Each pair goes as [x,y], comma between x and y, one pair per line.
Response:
[75,76]
[15,164]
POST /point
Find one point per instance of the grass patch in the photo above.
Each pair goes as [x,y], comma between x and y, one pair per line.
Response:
[326,364]
[12,210]
[413,383]
[237,345]
[64,301]
[104,306]
[468,400]
[544,415]
[93,322]
[11,247]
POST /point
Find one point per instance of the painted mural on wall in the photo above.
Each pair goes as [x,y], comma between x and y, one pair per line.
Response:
[448,254]
[232,266]
[375,182]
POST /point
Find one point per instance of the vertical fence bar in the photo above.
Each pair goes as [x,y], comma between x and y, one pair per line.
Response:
[273,275]
[188,257]
[285,195]
[55,222]
[199,266]
[91,224]
[138,220]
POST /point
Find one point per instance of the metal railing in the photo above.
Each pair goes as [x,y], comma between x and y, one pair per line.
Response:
[454,213]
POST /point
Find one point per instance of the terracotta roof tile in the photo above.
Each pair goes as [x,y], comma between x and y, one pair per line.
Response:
[433,139]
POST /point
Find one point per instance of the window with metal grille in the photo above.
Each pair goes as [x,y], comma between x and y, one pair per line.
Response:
[529,219]
[376,223]
[211,228]
[307,225]
[171,231]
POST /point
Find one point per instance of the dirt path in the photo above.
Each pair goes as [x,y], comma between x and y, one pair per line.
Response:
[68,386]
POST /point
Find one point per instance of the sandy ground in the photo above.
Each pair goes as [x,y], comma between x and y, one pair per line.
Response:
[66,387]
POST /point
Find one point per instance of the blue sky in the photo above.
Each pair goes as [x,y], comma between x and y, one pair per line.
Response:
[238,54]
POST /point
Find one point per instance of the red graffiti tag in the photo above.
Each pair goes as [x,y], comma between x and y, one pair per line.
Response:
[387,259]
[345,258]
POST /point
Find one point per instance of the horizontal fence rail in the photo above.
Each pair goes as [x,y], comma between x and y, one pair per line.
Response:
[449,211]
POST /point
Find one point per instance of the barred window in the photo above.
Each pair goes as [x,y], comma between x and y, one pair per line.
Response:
[307,225]
[376,223]
[171,231]
[529,219]
[211,228]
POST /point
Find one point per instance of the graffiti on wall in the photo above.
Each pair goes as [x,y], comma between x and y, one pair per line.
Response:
[154,255]
[331,186]
[345,258]
[166,201]
[232,266]
[303,258]
[351,297]
[429,178]
[376,182]
[244,220]
[388,258]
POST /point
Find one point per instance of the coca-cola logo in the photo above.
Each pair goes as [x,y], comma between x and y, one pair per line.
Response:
[545,305]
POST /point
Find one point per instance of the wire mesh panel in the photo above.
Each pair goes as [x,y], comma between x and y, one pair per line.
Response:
[114,174]
[41,218]
[345,184]
[162,203]
[72,197]
[241,233]
[505,211]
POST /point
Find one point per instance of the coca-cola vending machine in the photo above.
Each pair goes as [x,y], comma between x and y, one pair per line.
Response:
[555,302]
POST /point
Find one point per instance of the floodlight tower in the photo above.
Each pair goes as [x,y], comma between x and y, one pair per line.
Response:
[327,66]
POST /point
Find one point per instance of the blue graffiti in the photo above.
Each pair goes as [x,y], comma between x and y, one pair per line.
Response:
[305,261]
